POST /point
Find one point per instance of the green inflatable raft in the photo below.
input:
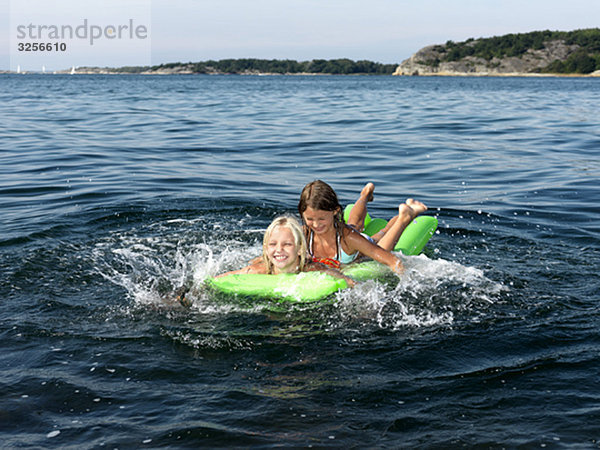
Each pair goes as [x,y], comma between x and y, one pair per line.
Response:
[309,287]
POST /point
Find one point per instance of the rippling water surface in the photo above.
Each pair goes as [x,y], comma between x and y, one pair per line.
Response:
[115,190]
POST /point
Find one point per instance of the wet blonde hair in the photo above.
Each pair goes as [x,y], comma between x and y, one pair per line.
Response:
[296,229]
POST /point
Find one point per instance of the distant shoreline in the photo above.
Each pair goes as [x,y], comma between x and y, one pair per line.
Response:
[84,72]
[502,75]
[246,66]
[573,54]
[426,75]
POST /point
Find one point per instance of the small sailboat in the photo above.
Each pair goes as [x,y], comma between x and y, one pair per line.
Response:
[19,68]
[73,70]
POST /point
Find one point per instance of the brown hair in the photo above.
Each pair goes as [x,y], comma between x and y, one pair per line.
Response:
[319,195]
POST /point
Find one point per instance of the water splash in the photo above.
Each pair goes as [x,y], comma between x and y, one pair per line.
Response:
[431,292]
[152,263]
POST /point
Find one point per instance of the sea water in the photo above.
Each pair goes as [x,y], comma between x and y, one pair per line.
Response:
[116,190]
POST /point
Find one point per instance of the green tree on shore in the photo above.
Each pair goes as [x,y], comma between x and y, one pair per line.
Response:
[584,60]
[342,66]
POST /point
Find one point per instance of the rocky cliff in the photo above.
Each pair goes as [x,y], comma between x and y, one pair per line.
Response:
[439,60]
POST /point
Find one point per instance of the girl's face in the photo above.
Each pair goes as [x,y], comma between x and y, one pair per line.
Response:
[282,251]
[319,221]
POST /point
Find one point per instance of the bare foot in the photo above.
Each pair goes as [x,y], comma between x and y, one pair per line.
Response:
[367,192]
[406,213]
[416,205]
[411,209]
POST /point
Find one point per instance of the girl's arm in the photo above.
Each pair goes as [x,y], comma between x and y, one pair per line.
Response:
[255,266]
[357,242]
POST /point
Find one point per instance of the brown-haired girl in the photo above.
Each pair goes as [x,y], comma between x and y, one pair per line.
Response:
[331,241]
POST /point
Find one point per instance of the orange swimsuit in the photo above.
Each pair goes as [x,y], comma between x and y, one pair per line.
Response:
[327,261]
[341,256]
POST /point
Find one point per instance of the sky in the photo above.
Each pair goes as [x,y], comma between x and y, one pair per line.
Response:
[386,31]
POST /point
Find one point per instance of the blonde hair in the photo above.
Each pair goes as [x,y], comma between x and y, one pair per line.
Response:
[296,229]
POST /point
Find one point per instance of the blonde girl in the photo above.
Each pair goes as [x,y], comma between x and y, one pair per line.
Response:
[285,251]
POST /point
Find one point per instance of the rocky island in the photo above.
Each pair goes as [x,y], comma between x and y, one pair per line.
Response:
[530,54]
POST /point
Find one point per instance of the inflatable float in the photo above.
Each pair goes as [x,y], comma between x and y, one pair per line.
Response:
[309,287]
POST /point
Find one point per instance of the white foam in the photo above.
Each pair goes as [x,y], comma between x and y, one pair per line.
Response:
[429,293]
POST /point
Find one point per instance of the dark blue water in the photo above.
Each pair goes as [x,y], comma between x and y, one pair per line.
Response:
[115,190]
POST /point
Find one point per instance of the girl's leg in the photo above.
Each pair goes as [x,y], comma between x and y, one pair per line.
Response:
[358,212]
[377,236]
[388,237]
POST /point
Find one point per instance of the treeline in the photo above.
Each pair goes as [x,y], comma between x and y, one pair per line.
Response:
[585,60]
[579,62]
[287,66]
[128,69]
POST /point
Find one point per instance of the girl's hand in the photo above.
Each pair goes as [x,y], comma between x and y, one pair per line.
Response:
[398,268]
[319,267]
[350,281]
